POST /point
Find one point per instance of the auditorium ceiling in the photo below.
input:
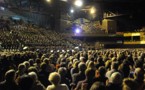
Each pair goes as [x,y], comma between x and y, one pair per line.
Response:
[132,10]
[107,5]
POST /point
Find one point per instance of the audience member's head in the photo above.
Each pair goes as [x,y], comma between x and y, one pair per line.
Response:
[90,57]
[91,65]
[62,71]
[21,68]
[47,60]
[98,86]
[129,84]
[33,75]
[82,59]
[31,61]
[38,61]
[116,78]
[102,71]
[114,65]
[25,82]
[75,60]
[108,64]
[54,78]
[75,65]
[10,75]
[138,64]
[125,69]
[32,69]
[99,60]
[27,64]
[90,74]
[43,66]
[139,74]
[82,67]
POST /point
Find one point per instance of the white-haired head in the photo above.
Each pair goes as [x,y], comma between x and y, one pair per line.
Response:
[116,78]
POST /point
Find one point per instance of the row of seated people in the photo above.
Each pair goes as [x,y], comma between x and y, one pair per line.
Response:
[4,24]
[41,36]
[108,69]
[34,36]
[7,39]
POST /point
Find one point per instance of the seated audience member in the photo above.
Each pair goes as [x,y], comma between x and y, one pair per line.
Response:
[31,61]
[55,79]
[25,82]
[50,66]
[115,82]
[99,62]
[129,84]
[21,70]
[90,58]
[64,80]
[37,64]
[32,73]
[91,66]
[81,75]
[114,68]
[37,85]
[9,82]
[100,75]
[139,78]
[43,74]
[138,63]
[32,69]
[87,82]
[27,64]
[83,59]
[98,86]
[124,68]
[75,68]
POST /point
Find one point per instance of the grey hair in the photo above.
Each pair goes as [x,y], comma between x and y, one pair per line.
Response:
[116,78]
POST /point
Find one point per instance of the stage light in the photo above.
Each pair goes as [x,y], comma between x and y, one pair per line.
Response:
[77,30]
[48,1]
[93,10]
[2,8]
[72,11]
[51,51]
[78,3]
[64,0]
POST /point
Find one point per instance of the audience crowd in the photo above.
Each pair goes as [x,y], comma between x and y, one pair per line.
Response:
[105,69]
[62,66]
[22,34]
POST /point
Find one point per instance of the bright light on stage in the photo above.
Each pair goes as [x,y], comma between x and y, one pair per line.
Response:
[64,0]
[78,3]
[72,11]
[93,10]
[2,8]
[48,1]
[77,30]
